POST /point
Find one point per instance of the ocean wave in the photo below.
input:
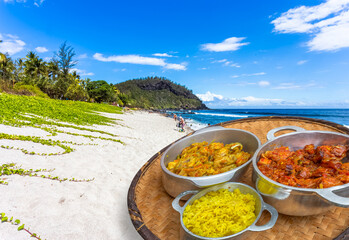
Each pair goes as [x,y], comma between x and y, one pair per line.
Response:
[223,115]
[195,125]
[302,113]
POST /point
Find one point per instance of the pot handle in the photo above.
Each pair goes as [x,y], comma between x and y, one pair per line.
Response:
[175,202]
[330,196]
[206,129]
[274,216]
[271,133]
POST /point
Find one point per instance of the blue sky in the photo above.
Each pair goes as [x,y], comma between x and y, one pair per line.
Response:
[232,54]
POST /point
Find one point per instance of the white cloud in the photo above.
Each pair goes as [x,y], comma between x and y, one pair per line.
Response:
[137,59]
[301,62]
[231,64]
[12,1]
[176,66]
[243,84]
[219,61]
[226,63]
[287,86]
[229,44]
[263,83]
[11,44]
[162,55]
[81,72]
[249,74]
[36,2]
[212,101]
[327,22]
[41,49]
[331,38]
[208,96]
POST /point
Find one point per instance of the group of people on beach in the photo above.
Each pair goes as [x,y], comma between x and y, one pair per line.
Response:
[180,123]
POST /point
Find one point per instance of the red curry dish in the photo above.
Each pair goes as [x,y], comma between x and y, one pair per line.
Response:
[310,167]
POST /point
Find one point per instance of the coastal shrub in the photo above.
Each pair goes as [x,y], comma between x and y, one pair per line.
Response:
[101,91]
[29,90]
[76,92]
[124,99]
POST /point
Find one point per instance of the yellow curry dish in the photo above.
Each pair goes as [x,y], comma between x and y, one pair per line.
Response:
[203,159]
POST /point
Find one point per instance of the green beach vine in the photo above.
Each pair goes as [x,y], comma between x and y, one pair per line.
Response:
[17,222]
[12,169]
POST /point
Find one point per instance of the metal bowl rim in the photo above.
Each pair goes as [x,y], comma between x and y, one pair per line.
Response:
[164,168]
[255,167]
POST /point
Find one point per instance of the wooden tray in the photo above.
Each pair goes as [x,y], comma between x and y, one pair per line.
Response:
[153,217]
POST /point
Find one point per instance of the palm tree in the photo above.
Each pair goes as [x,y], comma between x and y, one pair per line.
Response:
[6,69]
[52,70]
[34,68]
[19,70]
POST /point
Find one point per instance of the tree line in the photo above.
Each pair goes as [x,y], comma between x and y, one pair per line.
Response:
[55,78]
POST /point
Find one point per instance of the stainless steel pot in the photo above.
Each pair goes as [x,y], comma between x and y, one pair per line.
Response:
[231,186]
[299,201]
[175,184]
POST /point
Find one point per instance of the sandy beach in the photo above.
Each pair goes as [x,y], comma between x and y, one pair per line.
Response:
[81,210]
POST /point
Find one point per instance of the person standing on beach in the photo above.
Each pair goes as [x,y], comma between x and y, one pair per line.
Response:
[182,123]
[175,117]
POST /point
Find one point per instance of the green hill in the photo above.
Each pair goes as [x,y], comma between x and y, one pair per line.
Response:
[158,93]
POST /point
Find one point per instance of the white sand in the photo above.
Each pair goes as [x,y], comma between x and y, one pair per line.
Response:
[81,210]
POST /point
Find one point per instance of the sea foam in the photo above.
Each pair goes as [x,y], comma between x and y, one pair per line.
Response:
[223,115]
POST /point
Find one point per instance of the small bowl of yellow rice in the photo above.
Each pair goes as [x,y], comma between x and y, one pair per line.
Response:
[224,211]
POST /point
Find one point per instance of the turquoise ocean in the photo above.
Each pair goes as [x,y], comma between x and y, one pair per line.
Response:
[197,119]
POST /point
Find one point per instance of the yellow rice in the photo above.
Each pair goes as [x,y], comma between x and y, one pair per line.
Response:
[220,213]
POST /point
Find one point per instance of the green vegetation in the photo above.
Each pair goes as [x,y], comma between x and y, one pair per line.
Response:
[29,90]
[5,218]
[101,91]
[55,78]
[15,110]
[47,142]
[48,115]
[157,93]
[12,169]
